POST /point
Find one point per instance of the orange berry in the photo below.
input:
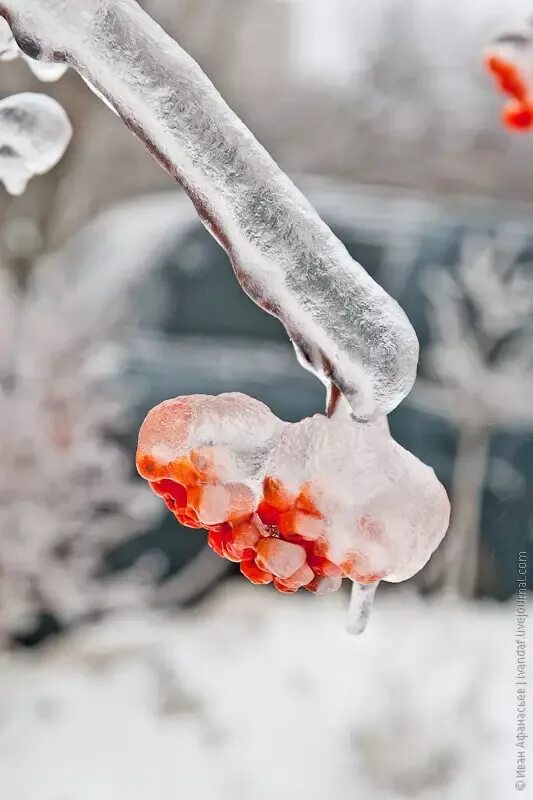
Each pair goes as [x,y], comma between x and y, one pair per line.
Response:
[182,471]
[268,514]
[148,468]
[324,585]
[242,502]
[194,497]
[171,489]
[301,577]
[245,538]
[306,503]
[324,567]
[282,587]
[286,523]
[280,558]
[215,541]
[204,463]
[254,573]
[354,568]
[275,494]
[321,547]
[223,528]
[157,487]
[297,523]
[518,116]
[232,553]
[188,518]
[507,77]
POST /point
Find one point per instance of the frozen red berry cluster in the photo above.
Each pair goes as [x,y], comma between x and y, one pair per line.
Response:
[280,540]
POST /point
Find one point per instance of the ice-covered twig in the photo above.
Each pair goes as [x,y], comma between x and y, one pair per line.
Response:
[345,328]
[34,134]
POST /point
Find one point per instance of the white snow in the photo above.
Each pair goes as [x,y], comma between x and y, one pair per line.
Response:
[257,696]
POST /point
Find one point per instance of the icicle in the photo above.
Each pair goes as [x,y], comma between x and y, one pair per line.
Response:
[361,603]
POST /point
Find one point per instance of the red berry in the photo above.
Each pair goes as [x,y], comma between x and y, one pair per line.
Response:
[275,494]
[518,116]
[324,567]
[268,514]
[216,542]
[254,573]
[301,577]
[280,558]
[324,585]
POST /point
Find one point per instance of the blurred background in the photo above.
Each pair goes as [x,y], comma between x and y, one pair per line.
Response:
[135,663]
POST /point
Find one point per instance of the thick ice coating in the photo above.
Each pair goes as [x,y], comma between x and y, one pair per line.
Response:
[299,505]
[510,61]
[344,326]
[34,134]
[9,51]
[382,511]
[219,443]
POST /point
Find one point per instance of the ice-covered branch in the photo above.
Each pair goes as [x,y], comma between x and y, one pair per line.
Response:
[344,327]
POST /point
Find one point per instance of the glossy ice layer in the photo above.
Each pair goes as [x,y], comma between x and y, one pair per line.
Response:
[34,134]
[383,511]
[215,445]
[345,328]
[9,51]
[299,505]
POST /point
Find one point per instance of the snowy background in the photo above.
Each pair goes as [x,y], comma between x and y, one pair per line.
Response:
[132,662]
[254,697]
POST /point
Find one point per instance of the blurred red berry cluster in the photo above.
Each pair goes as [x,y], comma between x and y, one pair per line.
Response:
[518,112]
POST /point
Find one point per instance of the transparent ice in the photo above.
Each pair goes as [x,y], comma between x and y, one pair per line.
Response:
[34,134]
[46,72]
[383,509]
[344,326]
[230,436]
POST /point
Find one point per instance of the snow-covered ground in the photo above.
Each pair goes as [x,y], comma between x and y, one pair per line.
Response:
[258,696]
